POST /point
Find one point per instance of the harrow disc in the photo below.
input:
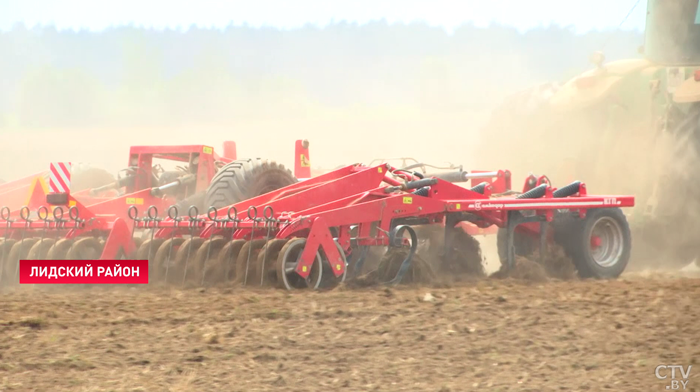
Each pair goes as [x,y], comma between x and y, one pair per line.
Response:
[207,254]
[5,247]
[59,250]
[41,249]
[288,258]
[246,271]
[265,265]
[329,280]
[163,260]
[87,248]
[226,262]
[148,250]
[183,269]
[19,251]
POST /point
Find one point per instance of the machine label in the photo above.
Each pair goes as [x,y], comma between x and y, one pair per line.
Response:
[304,162]
[611,201]
[134,200]
[407,200]
[207,150]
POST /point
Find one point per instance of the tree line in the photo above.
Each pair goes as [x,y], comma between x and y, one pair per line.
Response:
[130,75]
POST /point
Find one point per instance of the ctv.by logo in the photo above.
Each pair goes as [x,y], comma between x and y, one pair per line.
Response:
[662,374]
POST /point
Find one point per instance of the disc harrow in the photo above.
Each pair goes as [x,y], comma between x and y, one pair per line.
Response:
[308,235]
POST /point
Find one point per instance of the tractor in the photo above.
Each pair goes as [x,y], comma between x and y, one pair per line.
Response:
[629,126]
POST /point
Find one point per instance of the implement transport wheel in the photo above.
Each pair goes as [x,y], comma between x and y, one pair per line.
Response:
[601,244]
[288,258]
[243,179]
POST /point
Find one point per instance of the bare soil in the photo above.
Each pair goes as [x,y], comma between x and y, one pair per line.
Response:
[500,334]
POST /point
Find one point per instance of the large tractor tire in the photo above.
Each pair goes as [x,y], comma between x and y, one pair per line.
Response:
[243,179]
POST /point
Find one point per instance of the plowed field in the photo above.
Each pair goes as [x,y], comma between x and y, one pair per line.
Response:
[489,335]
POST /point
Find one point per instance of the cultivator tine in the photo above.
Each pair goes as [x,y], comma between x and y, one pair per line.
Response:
[212,214]
[37,249]
[60,222]
[74,214]
[396,240]
[234,219]
[255,220]
[46,219]
[5,214]
[154,220]
[173,214]
[24,215]
[133,214]
[193,214]
[269,222]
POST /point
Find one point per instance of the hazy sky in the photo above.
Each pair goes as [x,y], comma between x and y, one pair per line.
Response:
[583,15]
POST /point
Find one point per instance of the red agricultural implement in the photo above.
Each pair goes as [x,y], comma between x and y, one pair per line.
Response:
[197,165]
[308,234]
[86,224]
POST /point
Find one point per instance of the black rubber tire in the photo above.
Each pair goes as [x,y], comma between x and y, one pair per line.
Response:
[579,248]
[243,179]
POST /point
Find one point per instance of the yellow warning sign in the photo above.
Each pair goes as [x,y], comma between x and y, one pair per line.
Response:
[207,150]
[40,182]
[458,206]
[134,200]
[379,169]
[407,200]
[304,161]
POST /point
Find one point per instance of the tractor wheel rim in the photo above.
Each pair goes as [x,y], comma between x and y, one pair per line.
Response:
[611,241]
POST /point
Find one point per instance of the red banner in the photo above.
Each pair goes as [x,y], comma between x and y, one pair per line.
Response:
[83,272]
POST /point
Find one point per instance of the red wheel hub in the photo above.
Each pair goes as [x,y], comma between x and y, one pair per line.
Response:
[596,241]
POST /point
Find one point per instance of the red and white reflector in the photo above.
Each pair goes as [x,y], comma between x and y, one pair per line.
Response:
[59,177]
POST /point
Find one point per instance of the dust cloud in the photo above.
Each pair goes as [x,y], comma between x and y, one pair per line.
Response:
[445,106]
